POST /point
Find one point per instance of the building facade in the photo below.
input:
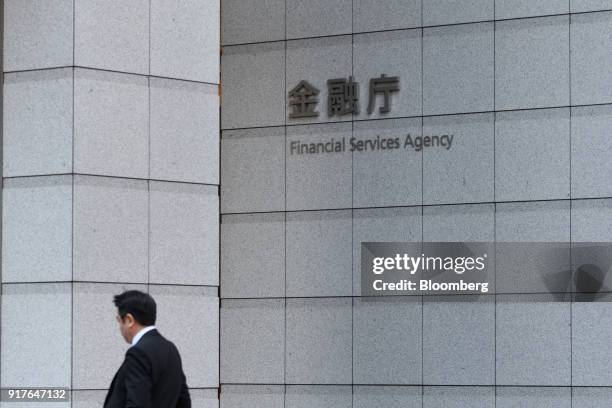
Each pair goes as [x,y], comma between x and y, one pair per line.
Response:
[524,89]
[237,190]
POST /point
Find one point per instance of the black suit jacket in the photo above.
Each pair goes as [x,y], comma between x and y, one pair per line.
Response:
[151,376]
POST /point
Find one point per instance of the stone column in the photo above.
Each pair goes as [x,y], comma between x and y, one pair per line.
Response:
[110,182]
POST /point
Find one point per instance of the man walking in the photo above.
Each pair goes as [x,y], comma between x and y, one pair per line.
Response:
[151,375]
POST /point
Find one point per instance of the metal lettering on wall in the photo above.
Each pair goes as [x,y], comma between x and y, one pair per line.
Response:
[342,96]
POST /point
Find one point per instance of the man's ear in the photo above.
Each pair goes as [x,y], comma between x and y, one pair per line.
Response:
[129,319]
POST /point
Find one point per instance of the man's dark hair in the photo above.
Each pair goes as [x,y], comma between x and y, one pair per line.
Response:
[141,305]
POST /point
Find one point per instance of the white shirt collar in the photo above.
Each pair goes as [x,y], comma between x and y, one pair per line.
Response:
[141,333]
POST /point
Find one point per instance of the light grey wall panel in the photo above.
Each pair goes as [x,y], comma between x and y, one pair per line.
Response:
[578,6]
[185,39]
[184,131]
[318,17]
[458,69]
[95,361]
[458,397]
[471,222]
[532,153]
[112,35]
[437,12]
[318,257]
[189,317]
[368,15]
[37,34]
[253,341]
[252,396]
[318,343]
[527,8]
[385,353]
[110,229]
[393,53]
[111,124]
[390,397]
[253,85]
[318,396]
[533,397]
[459,340]
[37,123]
[319,180]
[183,234]
[37,229]
[252,21]
[591,167]
[253,170]
[253,255]
[591,53]
[591,323]
[468,162]
[392,176]
[48,310]
[532,340]
[532,63]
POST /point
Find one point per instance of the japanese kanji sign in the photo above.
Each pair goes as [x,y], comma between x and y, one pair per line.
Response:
[342,96]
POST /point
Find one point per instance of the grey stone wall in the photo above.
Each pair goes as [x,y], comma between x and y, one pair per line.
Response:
[525,87]
[111,174]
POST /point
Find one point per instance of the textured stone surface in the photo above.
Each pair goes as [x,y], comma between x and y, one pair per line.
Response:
[533,397]
[319,180]
[318,17]
[453,328]
[532,340]
[253,85]
[458,69]
[125,47]
[253,170]
[183,234]
[185,39]
[459,397]
[111,124]
[252,21]
[393,53]
[96,362]
[318,60]
[437,12]
[37,34]
[386,353]
[189,317]
[532,63]
[37,135]
[110,229]
[541,170]
[384,225]
[252,396]
[468,162]
[371,15]
[37,229]
[253,341]
[244,271]
[303,396]
[591,54]
[391,176]
[184,131]
[318,343]
[48,309]
[318,256]
[526,8]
